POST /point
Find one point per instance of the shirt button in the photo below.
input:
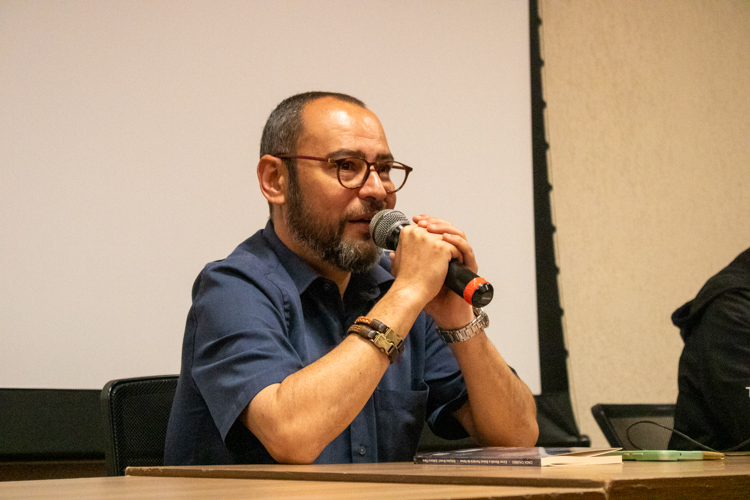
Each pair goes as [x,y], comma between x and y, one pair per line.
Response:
[362,450]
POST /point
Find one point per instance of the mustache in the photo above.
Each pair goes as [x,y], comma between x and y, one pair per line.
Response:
[369,207]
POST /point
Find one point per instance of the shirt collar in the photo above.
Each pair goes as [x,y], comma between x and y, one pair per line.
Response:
[303,275]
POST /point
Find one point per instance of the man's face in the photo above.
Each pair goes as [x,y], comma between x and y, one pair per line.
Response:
[328,220]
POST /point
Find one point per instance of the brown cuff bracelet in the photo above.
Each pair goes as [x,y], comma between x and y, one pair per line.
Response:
[381,335]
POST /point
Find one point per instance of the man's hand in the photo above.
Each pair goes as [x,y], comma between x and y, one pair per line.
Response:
[422,257]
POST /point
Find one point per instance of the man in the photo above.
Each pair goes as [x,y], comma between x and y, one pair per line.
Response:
[282,356]
[713,405]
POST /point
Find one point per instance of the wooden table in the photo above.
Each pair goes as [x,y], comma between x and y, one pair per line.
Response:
[189,488]
[729,478]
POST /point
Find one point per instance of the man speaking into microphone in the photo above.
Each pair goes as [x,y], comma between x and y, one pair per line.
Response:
[308,345]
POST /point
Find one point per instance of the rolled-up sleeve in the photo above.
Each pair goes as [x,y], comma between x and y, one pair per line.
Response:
[241,340]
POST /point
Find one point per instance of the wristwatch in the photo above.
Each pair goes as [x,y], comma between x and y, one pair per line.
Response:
[481,321]
[377,332]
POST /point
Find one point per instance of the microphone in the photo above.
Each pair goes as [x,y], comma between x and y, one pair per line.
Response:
[385,229]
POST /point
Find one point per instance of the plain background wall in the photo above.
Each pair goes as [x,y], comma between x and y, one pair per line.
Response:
[129,137]
[648,116]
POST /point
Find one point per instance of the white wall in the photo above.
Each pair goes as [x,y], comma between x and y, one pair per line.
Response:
[129,135]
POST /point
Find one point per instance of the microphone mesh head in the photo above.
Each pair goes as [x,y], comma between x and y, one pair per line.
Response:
[383,224]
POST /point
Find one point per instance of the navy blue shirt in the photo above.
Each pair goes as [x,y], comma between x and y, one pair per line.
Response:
[263,314]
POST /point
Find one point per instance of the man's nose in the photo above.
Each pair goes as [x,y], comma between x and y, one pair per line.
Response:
[373,186]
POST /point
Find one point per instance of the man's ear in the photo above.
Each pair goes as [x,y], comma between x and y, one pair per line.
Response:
[273,177]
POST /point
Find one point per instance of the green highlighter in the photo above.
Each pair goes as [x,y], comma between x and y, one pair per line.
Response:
[667,455]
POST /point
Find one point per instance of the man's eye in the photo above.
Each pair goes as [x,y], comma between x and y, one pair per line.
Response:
[347,165]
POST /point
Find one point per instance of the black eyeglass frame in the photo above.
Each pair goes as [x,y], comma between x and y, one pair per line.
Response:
[377,166]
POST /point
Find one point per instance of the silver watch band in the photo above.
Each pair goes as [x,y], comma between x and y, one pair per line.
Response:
[481,322]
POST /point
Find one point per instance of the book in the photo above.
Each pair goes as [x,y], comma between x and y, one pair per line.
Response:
[534,457]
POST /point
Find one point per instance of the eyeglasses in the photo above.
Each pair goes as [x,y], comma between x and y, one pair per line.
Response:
[352,172]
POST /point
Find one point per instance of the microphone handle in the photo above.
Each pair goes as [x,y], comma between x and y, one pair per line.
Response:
[475,290]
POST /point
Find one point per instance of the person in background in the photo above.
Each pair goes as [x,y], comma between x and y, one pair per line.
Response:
[307,344]
[713,405]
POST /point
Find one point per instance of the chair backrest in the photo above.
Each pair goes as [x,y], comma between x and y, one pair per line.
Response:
[614,421]
[135,412]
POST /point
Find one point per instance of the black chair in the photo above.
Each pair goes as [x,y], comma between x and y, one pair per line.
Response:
[135,412]
[615,420]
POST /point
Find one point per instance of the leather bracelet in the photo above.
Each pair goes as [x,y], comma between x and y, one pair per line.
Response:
[375,324]
[481,321]
[384,338]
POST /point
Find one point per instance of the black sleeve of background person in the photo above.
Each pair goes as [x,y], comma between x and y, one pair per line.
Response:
[727,322]
[713,405]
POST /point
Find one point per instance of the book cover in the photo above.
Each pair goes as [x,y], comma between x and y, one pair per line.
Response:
[534,457]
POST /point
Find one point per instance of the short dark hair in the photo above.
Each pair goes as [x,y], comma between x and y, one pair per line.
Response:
[284,127]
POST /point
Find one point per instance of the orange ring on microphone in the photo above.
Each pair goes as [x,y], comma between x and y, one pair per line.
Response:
[472,286]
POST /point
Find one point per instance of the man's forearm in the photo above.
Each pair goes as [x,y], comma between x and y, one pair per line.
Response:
[501,409]
[296,419]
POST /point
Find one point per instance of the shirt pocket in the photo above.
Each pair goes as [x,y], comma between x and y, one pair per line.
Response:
[400,416]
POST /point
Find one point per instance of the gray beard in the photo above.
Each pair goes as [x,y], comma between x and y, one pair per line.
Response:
[326,241]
